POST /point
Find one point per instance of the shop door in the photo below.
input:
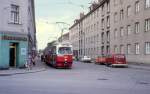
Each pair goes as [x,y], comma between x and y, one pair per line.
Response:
[12,55]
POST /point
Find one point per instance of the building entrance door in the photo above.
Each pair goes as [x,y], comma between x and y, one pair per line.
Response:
[12,55]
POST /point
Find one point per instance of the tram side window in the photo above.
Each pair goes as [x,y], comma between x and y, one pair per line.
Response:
[54,50]
[64,50]
[50,51]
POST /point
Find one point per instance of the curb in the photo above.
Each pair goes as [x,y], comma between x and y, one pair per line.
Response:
[139,67]
[26,72]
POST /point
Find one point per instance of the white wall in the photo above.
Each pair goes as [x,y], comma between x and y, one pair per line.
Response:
[5,16]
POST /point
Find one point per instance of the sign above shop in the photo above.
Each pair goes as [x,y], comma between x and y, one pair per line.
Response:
[6,37]
[23,51]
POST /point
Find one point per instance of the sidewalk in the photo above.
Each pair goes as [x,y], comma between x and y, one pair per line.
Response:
[139,66]
[39,67]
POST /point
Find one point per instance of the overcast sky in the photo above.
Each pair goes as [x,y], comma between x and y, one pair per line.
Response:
[50,11]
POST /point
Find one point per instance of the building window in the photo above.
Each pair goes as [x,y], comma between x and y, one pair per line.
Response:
[115,49]
[128,30]
[137,7]
[97,26]
[108,6]
[115,17]
[115,34]
[121,49]
[121,1]
[108,50]
[121,32]
[115,2]
[129,49]
[128,11]
[121,14]
[137,27]
[102,8]
[147,24]
[108,36]
[137,48]
[108,21]
[103,23]
[147,47]
[147,3]
[102,50]
[15,14]
[102,36]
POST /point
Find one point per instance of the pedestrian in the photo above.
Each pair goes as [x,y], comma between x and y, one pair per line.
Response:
[42,57]
[28,63]
[33,60]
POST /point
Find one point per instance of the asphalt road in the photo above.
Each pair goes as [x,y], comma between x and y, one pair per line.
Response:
[83,78]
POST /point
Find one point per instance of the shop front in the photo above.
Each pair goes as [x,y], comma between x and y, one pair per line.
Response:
[13,50]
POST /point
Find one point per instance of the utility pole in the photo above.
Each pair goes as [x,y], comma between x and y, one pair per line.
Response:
[63,28]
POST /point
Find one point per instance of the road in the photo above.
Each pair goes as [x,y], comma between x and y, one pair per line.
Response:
[83,78]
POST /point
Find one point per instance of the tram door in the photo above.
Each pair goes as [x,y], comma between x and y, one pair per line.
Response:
[12,55]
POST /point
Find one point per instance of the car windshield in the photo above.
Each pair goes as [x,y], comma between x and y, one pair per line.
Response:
[85,57]
[64,50]
[119,56]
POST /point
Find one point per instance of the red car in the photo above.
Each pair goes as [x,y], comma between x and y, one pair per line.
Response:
[116,60]
[100,60]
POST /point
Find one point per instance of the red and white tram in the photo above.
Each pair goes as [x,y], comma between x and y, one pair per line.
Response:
[60,55]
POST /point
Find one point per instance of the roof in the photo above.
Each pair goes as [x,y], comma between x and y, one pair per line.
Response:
[90,12]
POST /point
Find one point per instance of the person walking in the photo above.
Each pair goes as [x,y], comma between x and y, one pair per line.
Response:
[28,62]
[33,60]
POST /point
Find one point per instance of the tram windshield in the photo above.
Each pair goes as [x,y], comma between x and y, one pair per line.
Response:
[65,50]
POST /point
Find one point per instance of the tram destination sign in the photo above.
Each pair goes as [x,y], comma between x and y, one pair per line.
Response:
[5,37]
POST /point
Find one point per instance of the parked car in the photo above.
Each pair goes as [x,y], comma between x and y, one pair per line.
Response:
[116,60]
[101,60]
[86,59]
[74,58]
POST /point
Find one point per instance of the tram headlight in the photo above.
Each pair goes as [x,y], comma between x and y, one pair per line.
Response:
[65,59]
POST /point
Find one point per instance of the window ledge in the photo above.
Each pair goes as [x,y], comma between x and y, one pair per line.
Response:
[137,54]
[147,53]
[14,23]
[147,31]
[147,8]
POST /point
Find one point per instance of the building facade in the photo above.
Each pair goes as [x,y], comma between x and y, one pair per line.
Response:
[89,34]
[114,26]
[64,38]
[130,29]
[74,37]
[17,32]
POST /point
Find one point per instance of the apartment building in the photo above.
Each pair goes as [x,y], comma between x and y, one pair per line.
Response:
[74,37]
[64,38]
[114,26]
[17,32]
[130,29]
[90,35]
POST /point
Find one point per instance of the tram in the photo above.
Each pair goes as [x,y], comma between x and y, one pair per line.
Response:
[60,55]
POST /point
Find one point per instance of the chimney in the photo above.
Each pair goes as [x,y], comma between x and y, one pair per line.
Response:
[93,5]
[76,20]
[99,1]
[82,15]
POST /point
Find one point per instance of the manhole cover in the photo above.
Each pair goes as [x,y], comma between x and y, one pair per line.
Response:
[143,83]
[102,79]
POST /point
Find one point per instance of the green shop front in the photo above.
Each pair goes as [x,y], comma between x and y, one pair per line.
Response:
[13,50]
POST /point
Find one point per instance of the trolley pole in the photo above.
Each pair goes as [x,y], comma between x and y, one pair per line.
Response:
[64,26]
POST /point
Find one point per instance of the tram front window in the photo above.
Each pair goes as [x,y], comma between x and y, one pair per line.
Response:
[64,50]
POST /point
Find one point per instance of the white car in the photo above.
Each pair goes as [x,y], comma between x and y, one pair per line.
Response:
[86,59]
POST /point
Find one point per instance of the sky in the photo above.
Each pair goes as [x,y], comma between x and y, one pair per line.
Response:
[48,12]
